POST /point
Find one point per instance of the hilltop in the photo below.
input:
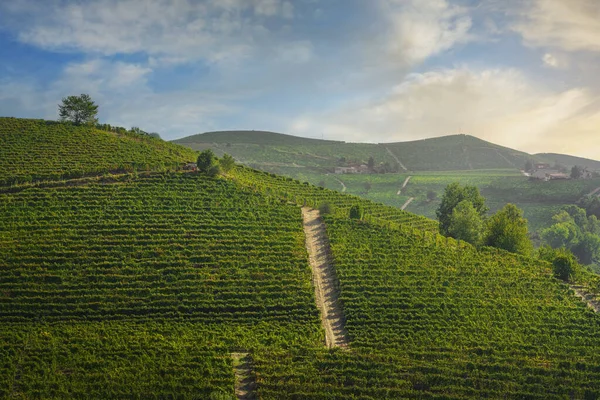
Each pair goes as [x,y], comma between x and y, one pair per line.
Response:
[454,152]
[163,284]
[251,137]
[34,149]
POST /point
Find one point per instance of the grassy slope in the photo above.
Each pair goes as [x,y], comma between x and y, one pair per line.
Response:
[33,150]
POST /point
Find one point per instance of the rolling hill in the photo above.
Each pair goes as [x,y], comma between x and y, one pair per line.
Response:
[164,284]
[455,152]
[569,161]
[33,150]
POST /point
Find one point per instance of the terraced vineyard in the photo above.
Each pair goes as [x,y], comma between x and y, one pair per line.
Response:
[431,320]
[306,194]
[32,150]
[154,285]
[173,267]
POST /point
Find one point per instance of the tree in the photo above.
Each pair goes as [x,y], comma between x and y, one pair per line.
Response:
[431,195]
[207,163]
[371,163]
[576,172]
[507,229]
[78,109]
[355,212]
[325,208]
[562,260]
[575,231]
[454,194]
[528,166]
[227,163]
[466,223]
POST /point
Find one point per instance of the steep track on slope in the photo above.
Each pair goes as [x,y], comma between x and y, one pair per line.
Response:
[324,279]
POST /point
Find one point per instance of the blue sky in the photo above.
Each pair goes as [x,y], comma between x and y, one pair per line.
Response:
[521,73]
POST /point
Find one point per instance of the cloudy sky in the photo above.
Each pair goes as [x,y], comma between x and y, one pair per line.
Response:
[521,73]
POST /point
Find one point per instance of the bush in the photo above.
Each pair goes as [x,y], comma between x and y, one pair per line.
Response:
[562,260]
[355,212]
[325,208]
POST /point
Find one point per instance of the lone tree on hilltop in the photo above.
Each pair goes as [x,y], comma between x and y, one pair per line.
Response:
[79,110]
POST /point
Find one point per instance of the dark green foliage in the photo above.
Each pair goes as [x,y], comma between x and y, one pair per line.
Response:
[227,163]
[574,230]
[562,260]
[507,230]
[454,194]
[207,163]
[78,110]
[466,223]
[355,212]
[576,172]
[325,208]
[431,195]
[591,204]
[371,163]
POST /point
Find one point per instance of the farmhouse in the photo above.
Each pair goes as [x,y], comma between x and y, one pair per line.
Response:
[345,170]
[190,167]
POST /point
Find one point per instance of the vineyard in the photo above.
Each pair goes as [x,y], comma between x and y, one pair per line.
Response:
[433,320]
[154,284]
[33,150]
[302,193]
[211,266]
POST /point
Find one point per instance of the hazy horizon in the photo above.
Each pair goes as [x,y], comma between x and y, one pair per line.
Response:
[521,74]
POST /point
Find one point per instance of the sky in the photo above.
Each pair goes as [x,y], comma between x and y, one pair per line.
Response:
[519,73]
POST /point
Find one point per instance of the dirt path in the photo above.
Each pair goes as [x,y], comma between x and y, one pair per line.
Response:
[341,183]
[324,279]
[586,297]
[245,380]
[407,203]
[593,192]
[397,159]
[403,185]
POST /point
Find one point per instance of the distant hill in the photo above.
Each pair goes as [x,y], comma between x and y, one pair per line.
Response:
[454,152]
[570,161]
[35,149]
[251,137]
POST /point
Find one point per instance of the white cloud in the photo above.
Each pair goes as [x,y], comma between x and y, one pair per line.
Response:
[553,60]
[423,28]
[499,105]
[175,30]
[570,25]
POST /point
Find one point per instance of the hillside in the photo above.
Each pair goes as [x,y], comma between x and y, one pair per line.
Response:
[32,150]
[158,284]
[251,137]
[267,150]
[569,161]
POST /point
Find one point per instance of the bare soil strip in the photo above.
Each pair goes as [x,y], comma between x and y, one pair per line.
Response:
[407,203]
[403,185]
[324,279]
[586,297]
[397,159]
[245,380]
